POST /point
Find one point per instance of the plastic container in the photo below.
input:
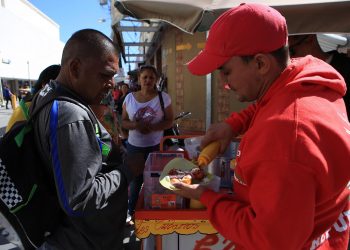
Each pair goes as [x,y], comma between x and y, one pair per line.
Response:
[156,161]
[158,197]
[192,146]
[222,165]
[155,195]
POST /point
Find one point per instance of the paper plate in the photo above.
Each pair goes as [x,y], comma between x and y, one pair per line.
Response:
[179,163]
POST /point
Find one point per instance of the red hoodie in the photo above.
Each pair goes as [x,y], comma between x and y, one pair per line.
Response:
[293,165]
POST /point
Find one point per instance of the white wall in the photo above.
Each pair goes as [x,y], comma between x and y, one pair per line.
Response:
[28,38]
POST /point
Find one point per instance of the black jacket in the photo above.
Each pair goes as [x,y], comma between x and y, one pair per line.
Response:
[341,62]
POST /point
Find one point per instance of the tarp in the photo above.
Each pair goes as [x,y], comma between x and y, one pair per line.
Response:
[303,16]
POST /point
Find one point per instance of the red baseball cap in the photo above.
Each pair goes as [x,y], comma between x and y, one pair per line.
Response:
[245,30]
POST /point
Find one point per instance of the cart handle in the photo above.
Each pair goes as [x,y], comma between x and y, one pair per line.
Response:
[161,146]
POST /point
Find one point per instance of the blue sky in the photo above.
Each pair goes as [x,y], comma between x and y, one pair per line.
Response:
[73,15]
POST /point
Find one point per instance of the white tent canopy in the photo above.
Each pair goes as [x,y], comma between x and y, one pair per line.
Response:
[303,16]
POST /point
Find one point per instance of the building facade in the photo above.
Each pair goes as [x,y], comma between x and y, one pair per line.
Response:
[30,41]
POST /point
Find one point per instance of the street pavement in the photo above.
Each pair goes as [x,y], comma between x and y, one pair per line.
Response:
[8,239]
[5,115]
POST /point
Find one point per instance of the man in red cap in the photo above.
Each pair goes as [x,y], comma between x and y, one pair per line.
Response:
[292,171]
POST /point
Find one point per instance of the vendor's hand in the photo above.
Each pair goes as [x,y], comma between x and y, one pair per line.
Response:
[193,191]
[219,131]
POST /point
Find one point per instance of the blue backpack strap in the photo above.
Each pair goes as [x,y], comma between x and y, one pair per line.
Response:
[105,149]
[55,159]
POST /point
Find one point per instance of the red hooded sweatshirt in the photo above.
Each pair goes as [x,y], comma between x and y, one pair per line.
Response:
[293,165]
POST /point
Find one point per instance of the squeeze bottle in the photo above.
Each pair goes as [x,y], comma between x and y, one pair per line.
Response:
[208,153]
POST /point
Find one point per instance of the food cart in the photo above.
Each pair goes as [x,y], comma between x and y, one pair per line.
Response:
[164,220]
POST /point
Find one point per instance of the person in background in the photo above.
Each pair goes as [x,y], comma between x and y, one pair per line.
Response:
[143,117]
[302,45]
[20,113]
[292,165]
[116,93]
[134,84]
[7,95]
[90,180]
[124,91]
[106,115]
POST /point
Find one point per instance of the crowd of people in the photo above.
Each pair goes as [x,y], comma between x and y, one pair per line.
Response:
[292,166]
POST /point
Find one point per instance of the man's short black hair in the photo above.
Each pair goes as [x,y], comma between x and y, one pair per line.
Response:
[86,43]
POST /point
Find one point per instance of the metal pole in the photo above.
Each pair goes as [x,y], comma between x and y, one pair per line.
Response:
[208,97]
[30,84]
[1,94]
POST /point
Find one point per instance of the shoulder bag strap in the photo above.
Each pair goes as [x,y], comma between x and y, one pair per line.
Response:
[161,102]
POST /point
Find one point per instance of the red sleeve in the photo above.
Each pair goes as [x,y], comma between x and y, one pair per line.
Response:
[280,209]
[239,122]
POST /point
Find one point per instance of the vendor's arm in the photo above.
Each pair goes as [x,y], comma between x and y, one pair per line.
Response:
[232,127]
[240,122]
[281,210]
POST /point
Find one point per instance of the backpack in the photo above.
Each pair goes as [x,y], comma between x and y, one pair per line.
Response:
[28,197]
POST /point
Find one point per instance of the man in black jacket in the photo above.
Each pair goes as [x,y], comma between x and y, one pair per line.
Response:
[91,181]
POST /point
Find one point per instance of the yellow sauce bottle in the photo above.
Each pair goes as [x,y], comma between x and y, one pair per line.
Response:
[208,153]
[233,164]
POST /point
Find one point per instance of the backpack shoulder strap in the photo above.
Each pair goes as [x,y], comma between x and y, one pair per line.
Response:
[29,117]
[24,108]
[20,136]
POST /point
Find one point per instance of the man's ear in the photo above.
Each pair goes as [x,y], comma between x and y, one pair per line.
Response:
[262,63]
[74,69]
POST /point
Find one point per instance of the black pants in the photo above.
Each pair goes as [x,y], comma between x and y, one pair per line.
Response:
[8,99]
